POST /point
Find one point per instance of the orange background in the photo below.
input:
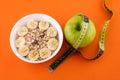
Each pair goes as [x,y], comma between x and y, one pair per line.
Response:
[107,67]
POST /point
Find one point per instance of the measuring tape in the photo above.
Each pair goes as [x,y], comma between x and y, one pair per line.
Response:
[73,48]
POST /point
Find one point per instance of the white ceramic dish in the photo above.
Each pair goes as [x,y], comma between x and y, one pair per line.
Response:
[23,21]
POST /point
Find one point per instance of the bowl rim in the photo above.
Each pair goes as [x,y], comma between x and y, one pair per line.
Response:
[24,19]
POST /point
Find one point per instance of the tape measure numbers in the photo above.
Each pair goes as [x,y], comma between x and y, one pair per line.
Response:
[83,31]
[73,48]
[77,43]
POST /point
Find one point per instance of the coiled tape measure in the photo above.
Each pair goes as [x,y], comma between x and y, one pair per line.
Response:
[73,48]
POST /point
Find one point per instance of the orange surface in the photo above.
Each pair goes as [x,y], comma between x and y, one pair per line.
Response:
[107,67]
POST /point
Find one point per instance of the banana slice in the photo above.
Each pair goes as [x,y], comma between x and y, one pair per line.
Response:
[52,32]
[52,44]
[33,55]
[43,25]
[32,24]
[20,41]
[45,53]
[24,50]
[22,31]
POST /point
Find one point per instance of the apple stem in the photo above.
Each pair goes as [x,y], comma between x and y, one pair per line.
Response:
[78,28]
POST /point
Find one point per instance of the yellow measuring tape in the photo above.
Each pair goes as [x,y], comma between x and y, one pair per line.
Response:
[78,42]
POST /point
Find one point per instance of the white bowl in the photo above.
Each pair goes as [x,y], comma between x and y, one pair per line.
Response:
[23,21]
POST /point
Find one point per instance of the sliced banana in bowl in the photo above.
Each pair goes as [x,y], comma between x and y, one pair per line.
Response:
[33,55]
[52,32]
[45,53]
[52,44]
[36,38]
[20,41]
[23,50]
[32,24]
[43,25]
[22,31]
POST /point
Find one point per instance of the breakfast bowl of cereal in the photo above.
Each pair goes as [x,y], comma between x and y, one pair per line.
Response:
[36,38]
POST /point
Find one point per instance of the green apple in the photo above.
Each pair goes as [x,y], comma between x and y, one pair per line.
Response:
[72,30]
